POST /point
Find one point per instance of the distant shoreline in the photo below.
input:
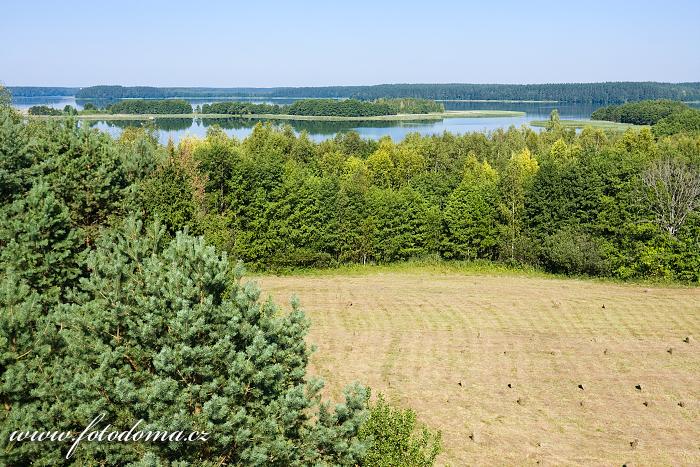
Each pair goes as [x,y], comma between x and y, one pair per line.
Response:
[503,101]
[328,118]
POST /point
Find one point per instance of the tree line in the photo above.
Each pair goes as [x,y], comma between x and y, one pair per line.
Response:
[591,203]
[328,107]
[148,106]
[44,110]
[609,92]
[150,92]
[128,106]
[667,117]
[357,108]
[41,91]
[306,107]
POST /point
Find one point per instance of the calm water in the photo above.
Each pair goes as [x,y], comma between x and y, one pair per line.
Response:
[176,129]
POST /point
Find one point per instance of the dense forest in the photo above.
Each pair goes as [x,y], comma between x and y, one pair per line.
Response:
[588,203]
[611,92]
[144,106]
[128,106]
[148,92]
[356,108]
[564,92]
[41,91]
[44,110]
[667,117]
[647,112]
[338,108]
[104,310]
[328,107]
[240,108]
[307,107]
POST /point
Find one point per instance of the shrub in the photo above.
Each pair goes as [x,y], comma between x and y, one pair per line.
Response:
[43,110]
[572,251]
[394,439]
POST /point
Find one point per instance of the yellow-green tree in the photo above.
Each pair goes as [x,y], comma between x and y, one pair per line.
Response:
[517,179]
[381,164]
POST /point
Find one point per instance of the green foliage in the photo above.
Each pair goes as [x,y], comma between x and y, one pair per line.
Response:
[278,200]
[158,332]
[516,182]
[38,243]
[43,110]
[639,113]
[167,194]
[356,108]
[397,222]
[143,106]
[85,169]
[40,91]
[5,97]
[571,251]
[101,314]
[667,117]
[564,92]
[685,121]
[131,322]
[412,105]
[328,107]
[395,440]
[240,108]
[16,158]
[471,214]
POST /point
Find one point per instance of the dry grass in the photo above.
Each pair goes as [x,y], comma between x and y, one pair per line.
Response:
[416,337]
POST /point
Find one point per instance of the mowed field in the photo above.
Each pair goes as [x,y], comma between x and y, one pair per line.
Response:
[516,370]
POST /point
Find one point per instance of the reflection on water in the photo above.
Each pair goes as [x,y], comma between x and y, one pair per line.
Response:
[161,124]
[58,102]
[178,128]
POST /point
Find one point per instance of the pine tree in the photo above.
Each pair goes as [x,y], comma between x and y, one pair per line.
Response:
[38,244]
[158,332]
[15,156]
[39,261]
[84,168]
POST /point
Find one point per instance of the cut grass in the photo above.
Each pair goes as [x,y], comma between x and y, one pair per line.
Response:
[603,125]
[400,117]
[416,334]
[430,265]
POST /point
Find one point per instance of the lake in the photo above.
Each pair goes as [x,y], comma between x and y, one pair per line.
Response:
[176,129]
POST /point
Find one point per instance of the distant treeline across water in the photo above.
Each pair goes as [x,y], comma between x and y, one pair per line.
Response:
[611,92]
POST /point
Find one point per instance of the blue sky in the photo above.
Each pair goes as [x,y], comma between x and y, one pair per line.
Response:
[270,43]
